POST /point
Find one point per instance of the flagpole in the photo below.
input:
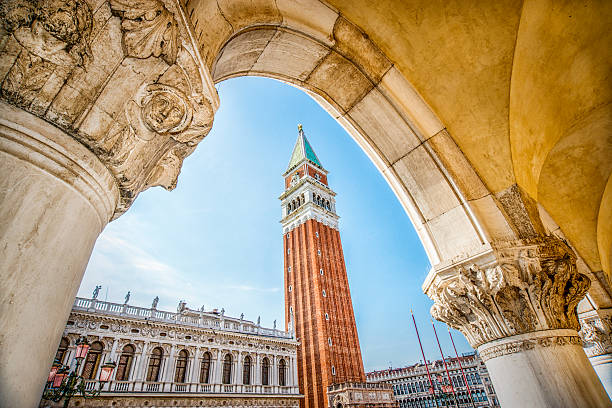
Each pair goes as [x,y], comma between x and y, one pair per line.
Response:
[461,367]
[424,359]
[445,367]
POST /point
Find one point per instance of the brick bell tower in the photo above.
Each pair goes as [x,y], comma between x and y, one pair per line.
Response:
[317,298]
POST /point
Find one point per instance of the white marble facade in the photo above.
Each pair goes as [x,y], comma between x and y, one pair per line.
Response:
[203,354]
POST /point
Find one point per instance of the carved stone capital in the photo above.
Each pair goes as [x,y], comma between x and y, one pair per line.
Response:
[596,332]
[122,77]
[515,288]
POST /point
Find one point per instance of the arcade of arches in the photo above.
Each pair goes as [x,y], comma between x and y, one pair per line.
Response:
[491,121]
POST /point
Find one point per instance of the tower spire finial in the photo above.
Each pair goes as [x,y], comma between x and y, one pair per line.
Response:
[300,128]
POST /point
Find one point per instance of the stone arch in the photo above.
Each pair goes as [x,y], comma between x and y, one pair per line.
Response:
[421,163]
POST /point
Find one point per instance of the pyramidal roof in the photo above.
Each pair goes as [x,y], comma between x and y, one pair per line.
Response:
[302,151]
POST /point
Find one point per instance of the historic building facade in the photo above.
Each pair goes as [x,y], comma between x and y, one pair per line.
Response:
[317,296]
[191,357]
[411,386]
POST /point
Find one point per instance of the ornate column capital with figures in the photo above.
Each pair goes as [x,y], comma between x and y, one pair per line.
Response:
[516,304]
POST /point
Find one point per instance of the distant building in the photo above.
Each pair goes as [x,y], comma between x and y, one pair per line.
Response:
[190,358]
[317,296]
[411,386]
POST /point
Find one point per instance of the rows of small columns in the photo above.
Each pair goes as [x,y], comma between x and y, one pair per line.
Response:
[140,363]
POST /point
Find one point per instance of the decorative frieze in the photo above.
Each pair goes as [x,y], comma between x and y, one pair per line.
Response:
[521,287]
[124,79]
[487,353]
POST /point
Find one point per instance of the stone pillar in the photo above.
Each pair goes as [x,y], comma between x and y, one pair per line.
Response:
[194,367]
[517,305]
[55,199]
[257,376]
[56,195]
[170,366]
[596,333]
[140,373]
[218,369]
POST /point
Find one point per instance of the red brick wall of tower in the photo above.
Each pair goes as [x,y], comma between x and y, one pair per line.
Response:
[304,286]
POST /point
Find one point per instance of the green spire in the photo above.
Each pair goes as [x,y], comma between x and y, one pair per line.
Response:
[303,151]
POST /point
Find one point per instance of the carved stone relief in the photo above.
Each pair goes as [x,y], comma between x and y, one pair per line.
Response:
[122,77]
[596,332]
[531,285]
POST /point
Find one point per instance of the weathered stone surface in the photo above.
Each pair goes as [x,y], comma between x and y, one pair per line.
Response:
[291,55]
[458,167]
[388,131]
[310,17]
[245,13]
[426,183]
[397,89]
[241,53]
[340,80]
[211,28]
[357,47]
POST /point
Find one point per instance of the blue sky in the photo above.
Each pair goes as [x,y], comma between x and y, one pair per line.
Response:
[216,239]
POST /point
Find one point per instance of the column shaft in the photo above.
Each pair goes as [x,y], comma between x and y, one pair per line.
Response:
[55,199]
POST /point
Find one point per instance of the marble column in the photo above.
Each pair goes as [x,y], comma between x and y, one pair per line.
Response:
[516,304]
[55,199]
[596,333]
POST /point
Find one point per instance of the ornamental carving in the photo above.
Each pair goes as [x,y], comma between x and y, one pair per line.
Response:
[532,285]
[124,79]
[48,38]
[488,353]
[149,29]
[596,332]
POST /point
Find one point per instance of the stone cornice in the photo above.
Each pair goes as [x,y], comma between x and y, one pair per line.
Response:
[124,326]
[521,343]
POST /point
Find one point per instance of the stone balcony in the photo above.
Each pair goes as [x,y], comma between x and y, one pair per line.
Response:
[197,319]
[202,390]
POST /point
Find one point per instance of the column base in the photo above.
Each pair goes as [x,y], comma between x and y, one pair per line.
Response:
[543,369]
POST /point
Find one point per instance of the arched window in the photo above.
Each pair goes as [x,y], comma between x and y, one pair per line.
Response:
[205,368]
[282,373]
[92,361]
[181,366]
[125,363]
[61,350]
[155,364]
[246,371]
[227,369]
[265,371]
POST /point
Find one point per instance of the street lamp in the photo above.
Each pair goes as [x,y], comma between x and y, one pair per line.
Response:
[63,384]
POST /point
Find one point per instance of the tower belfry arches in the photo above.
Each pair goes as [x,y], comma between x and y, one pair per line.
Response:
[474,158]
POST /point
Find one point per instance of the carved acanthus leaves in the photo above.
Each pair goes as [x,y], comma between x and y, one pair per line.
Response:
[532,285]
[149,29]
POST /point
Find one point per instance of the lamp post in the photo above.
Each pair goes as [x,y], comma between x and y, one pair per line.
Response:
[63,384]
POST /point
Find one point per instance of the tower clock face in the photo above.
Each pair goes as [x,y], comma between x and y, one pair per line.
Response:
[295,179]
